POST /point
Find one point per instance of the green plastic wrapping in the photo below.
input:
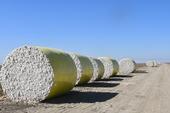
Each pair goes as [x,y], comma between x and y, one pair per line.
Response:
[87,69]
[115,67]
[100,68]
[64,70]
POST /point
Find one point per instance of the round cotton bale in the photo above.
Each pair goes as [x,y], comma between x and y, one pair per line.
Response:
[32,74]
[152,63]
[115,67]
[108,67]
[126,66]
[85,68]
[95,70]
[78,66]
[100,68]
[155,63]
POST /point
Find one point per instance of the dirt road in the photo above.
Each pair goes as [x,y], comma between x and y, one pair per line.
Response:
[146,91]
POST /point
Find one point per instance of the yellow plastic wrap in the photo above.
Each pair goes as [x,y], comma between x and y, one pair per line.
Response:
[100,68]
[87,69]
[115,67]
[64,71]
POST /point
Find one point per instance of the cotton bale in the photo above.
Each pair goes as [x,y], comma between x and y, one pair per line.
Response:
[108,67]
[31,74]
[126,66]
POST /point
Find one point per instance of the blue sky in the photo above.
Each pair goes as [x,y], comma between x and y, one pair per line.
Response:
[118,28]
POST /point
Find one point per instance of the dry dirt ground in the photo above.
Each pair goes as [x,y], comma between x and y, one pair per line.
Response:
[146,91]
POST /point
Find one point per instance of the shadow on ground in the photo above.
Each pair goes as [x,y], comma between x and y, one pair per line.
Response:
[123,76]
[99,84]
[140,71]
[111,79]
[82,97]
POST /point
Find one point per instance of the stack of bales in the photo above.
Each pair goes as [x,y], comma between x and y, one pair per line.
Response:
[126,66]
[31,74]
[88,69]
[152,63]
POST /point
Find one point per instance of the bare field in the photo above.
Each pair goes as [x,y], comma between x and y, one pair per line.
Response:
[145,91]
